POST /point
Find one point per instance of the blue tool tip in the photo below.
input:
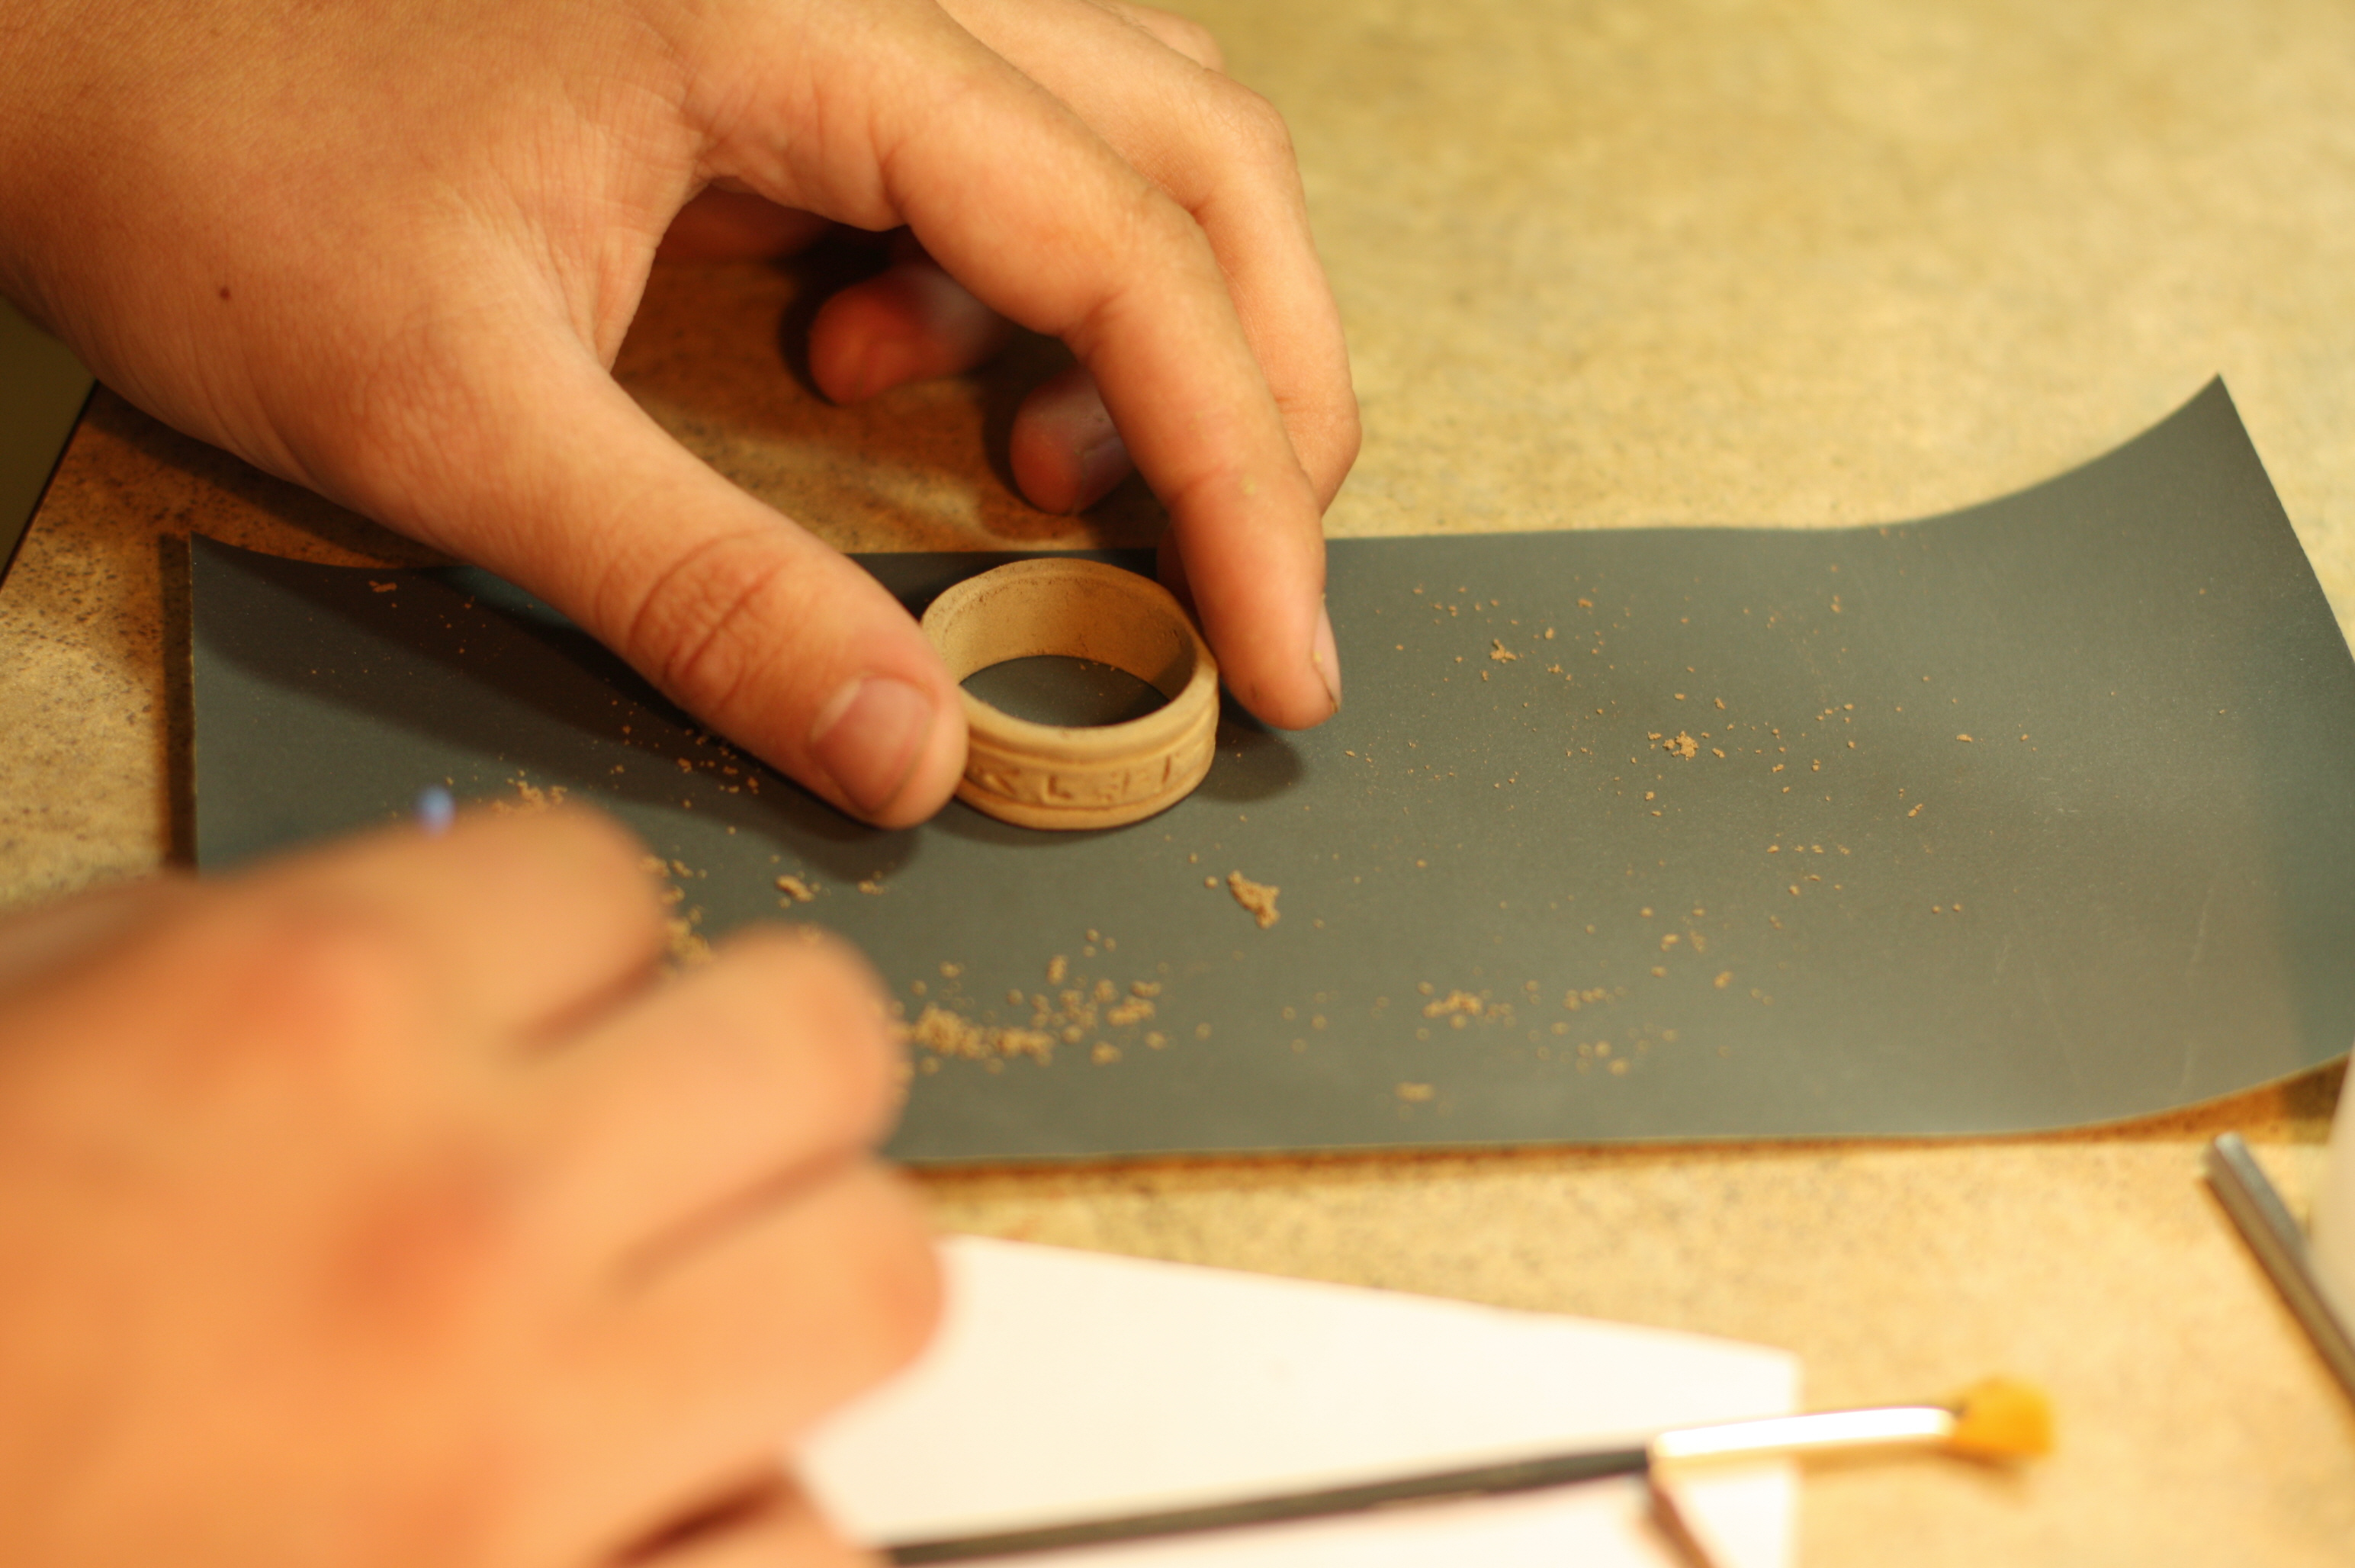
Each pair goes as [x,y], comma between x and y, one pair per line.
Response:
[435,810]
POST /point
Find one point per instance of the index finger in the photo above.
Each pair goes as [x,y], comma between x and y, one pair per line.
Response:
[1046,223]
[519,922]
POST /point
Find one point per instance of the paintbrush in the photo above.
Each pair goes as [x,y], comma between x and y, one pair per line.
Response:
[1995,1420]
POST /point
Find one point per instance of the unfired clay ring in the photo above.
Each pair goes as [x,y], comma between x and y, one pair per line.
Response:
[1045,775]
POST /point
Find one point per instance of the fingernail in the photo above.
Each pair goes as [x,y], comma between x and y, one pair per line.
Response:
[869,737]
[862,384]
[1325,657]
[875,368]
[1102,466]
[882,365]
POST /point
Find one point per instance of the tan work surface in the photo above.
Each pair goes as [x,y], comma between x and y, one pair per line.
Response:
[1611,265]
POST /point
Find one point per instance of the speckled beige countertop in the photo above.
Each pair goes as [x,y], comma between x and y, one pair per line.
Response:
[1604,264]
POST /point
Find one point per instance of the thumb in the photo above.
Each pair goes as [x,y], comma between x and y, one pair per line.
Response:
[556,480]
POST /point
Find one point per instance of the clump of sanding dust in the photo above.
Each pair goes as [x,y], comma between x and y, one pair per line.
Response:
[945,1033]
[529,798]
[1258,897]
[1454,1002]
[1682,746]
[685,946]
[1077,1013]
[1498,653]
[796,890]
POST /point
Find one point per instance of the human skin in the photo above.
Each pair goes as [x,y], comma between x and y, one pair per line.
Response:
[343,1225]
[388,249]
[382,1206]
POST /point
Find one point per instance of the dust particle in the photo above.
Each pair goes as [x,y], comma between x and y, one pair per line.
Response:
[1463,1002]
[945,1033]
[1499,653]
[687,949]
[1681,745]
[530,797]
[1416,1093]
[1257,898]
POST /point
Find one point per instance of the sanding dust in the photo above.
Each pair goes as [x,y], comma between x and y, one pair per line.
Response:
[1077,1014]
[1682,746]
[685,946]
[1499,653]
[529,798]
[1257,898]
[945,1033]
[1454,1002]
[1416,1093]
[796,889]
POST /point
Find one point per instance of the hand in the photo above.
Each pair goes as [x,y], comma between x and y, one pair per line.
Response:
[389,250]
[382,1208]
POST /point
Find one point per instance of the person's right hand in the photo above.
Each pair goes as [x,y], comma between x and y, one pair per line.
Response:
[382,1206]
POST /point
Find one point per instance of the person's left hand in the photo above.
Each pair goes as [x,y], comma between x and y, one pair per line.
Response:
[388,249]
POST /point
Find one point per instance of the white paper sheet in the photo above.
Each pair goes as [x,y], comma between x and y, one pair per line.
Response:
[1066,1385]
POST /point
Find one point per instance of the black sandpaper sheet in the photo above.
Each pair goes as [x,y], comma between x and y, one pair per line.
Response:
[42,391]
[2035,815]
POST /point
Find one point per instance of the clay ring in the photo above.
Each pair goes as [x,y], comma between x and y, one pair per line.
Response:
[1046,776]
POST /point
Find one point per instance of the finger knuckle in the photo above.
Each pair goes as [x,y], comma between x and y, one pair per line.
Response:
[429,1243]
[1251,129]
[316,982]
[1191,38]
[700,626]
[1345,436]
[825,1000]
[563,859]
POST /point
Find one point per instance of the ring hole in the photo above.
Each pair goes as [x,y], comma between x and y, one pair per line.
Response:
[1070,693]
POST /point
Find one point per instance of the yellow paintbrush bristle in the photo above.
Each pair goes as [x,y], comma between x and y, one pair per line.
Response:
[2000,1419]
